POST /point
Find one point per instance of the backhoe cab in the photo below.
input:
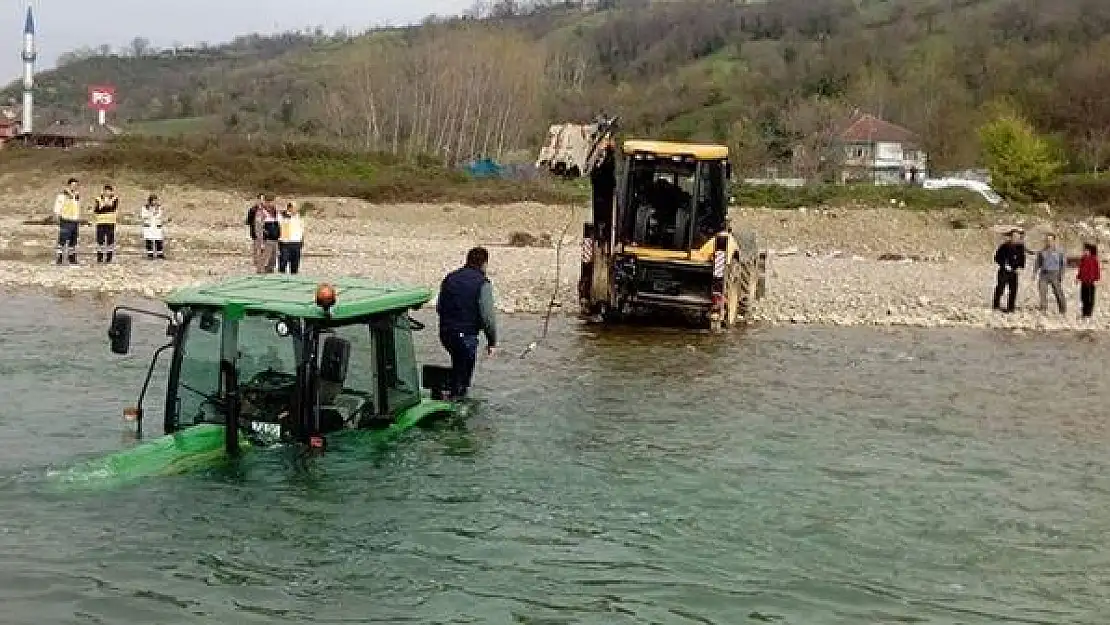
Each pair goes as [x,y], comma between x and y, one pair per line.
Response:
[661,241]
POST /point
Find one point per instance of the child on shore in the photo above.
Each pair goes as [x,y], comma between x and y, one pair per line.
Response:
[153,216]
[1089,274]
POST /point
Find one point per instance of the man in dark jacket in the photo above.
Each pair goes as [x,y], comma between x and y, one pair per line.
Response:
[1010,258]
[252,214]
[465,307]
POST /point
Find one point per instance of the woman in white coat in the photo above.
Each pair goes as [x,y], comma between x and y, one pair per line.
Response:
[153,216]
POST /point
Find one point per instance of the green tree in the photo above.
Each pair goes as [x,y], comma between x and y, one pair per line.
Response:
[1022,163]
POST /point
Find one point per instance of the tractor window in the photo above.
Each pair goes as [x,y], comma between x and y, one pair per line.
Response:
[352,402]
[198,385]
[267,368]
[262,349]
[401,378]
[660,204]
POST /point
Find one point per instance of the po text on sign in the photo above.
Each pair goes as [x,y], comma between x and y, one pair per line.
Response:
[102,97]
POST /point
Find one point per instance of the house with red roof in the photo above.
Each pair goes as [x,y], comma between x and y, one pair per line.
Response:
[876,151]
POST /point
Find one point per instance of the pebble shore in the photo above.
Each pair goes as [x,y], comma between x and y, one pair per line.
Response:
[849,267]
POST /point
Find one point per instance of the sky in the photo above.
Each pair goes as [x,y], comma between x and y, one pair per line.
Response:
[62,25]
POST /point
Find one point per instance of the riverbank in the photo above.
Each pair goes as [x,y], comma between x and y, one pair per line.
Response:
[834,267]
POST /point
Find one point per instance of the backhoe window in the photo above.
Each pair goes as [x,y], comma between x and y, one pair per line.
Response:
[660,204]
[711,204]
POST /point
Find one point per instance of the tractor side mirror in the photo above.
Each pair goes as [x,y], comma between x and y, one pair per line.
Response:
[334,359]
[119,334]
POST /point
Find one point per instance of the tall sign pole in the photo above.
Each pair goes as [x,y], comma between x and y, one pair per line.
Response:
[102,98]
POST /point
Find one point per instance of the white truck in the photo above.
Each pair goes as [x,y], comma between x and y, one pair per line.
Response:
[572,149]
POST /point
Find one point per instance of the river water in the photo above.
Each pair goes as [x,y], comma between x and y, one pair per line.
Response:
[792,475]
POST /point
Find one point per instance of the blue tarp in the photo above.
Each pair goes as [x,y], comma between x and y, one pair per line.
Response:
[485,168]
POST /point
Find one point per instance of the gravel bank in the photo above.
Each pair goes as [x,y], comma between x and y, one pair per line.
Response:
[826,270]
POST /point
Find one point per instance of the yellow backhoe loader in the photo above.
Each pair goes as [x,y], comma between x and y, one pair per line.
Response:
[660,239]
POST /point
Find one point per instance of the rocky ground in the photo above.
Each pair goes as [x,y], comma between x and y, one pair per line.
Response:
[844,267]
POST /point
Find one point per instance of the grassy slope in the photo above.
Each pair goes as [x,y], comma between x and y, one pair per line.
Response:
[302,169]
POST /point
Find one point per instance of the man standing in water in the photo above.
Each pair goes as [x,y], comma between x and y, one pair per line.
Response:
[1010,258]
[104,211]
[67,208]
[466,307]
[1049,268]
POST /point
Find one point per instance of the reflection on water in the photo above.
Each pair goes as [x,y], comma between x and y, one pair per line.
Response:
[778,475]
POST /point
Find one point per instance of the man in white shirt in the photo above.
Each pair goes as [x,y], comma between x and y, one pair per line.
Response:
[291,239]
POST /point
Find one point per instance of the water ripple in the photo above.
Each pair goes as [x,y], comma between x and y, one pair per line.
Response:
[797,475]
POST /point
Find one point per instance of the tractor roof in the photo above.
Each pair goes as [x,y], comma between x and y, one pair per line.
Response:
[699,151]
[296,296]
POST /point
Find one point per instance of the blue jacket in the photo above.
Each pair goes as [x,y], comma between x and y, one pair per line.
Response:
[466,304]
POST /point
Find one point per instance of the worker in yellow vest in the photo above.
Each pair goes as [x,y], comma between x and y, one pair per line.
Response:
[291,239]
[104,212]
[67,209]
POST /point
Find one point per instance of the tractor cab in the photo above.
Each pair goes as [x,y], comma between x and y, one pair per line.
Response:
[282,359]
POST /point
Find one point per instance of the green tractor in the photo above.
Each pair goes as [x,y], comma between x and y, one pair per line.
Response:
[260,361]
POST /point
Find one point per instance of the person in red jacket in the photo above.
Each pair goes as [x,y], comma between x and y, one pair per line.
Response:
[1089,274]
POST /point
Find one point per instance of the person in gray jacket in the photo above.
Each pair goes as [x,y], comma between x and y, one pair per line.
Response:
[1049,268]
[465,307]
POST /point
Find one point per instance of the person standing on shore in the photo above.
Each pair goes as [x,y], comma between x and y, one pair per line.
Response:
[251,212]
[67,209]
[1010,258]
[104,211]
[1090,272]
[267,231]
[291,240]
[465,307]
[1049,267]
[153,216]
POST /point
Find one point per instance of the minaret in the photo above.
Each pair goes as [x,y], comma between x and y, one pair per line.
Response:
[29,56]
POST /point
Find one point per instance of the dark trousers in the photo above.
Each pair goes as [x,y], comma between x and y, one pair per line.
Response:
[155,248]
[289,257]
[1087,299]
[1007,280]
[105,242]
[463,349]
[67,241]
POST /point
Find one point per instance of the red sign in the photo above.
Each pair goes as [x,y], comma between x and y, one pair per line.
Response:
[102,97]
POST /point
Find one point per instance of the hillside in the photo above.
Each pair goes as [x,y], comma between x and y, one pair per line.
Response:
[762,77]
